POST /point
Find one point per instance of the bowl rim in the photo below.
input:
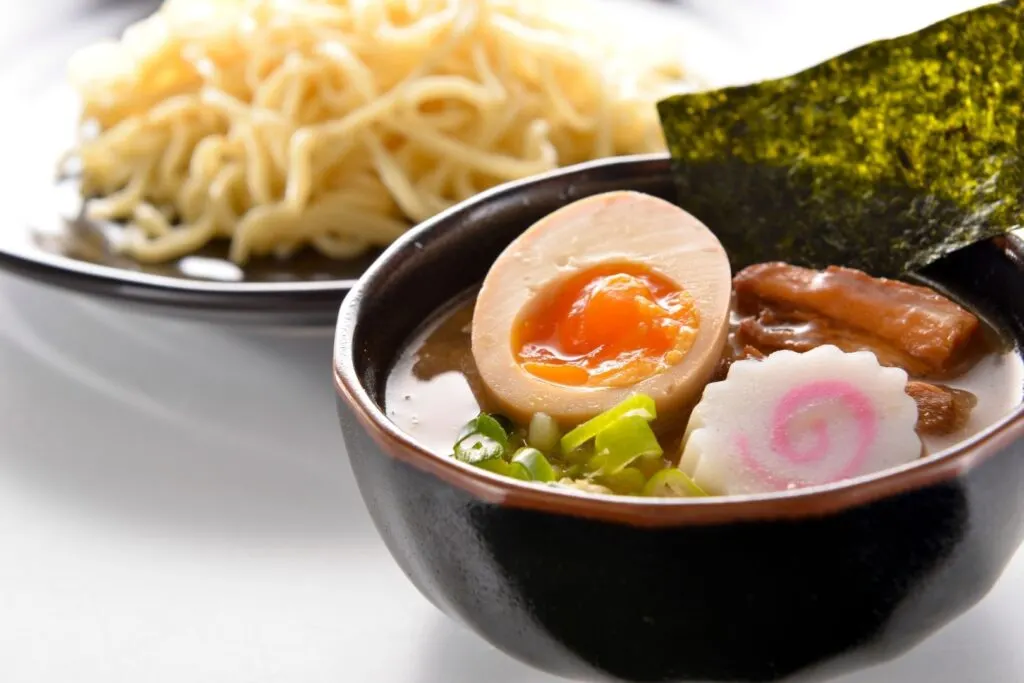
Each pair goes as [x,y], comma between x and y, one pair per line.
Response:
[652,512]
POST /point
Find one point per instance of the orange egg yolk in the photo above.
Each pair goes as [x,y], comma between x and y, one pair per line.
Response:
[610,325]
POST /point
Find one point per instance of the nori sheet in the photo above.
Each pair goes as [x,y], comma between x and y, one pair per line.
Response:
[885,158]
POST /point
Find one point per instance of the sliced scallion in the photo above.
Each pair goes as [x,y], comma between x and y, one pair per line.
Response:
[672,483]
[485,425]
[477,448]
[514,470]
[596,462]
[580,456]
[623,441]
[650,465]
[543,433]
[628,481]
[638,405]
[535,463]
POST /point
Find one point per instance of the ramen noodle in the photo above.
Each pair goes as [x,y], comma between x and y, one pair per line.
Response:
[337,124]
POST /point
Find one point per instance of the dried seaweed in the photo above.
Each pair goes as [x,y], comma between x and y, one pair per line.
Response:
[885,158]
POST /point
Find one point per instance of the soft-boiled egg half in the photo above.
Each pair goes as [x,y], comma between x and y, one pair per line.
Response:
[611,295]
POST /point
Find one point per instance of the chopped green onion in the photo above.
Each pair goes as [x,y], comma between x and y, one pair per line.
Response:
[535,463]
[580,456]
[496,465]
[650,465]
[673,483]
[514,470]
[477,448]
[627,481]
[623,441]
[639,405]
[596,462]
[543,433]
[485,425]
[481,439]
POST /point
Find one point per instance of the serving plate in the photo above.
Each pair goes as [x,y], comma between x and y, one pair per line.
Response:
[57,245]
[47,239]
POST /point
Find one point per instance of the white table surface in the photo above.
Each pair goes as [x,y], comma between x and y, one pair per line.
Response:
[176,505]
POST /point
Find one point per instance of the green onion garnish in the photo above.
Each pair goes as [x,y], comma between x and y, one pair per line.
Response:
[639,405]
[535,463]
[623,441]
[477,448]
[514,470]
[596,462]
[627,481]
[485,425]
[580,456]
[672,483]
[482,439]
[650,465]
[543,433]
[617,449]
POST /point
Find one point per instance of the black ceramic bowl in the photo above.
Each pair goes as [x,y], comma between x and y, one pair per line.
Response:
[801,586]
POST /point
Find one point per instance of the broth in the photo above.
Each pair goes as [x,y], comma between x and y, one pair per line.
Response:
[434,389]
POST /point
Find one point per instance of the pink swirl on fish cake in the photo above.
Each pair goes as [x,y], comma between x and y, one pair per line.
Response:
[800,399]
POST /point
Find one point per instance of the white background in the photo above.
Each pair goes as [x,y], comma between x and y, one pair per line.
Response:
[175,500]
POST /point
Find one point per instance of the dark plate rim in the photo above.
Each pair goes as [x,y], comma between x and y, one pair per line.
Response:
[652,512]
[300,301]
[44,261]
[163,292]
[311,303]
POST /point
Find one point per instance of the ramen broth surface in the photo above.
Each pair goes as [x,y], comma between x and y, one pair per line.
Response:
[434,389]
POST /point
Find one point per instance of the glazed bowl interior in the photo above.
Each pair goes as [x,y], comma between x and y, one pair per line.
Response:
[444,257]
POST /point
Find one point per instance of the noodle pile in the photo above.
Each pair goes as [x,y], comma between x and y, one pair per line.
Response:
[337,123]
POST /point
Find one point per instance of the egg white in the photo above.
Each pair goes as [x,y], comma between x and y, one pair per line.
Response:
[615,227]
